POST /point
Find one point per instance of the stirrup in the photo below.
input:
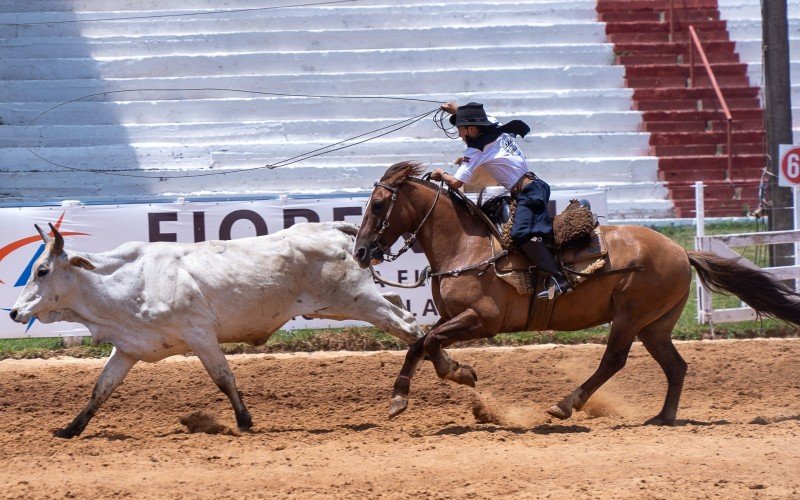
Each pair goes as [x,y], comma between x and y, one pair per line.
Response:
[554,290]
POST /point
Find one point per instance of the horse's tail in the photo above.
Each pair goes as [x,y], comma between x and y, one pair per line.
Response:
[759,289]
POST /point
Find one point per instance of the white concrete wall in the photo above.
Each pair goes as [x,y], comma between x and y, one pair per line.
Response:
[545,62]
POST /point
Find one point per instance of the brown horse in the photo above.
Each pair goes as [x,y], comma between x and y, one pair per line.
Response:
[474,304]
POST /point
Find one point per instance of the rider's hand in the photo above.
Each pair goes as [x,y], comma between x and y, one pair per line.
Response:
[459,160]
[437,174]
[450,107]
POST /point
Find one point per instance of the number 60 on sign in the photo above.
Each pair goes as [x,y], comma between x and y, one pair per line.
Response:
[789,174]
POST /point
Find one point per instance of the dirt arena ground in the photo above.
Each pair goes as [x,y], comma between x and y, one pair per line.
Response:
[320,428]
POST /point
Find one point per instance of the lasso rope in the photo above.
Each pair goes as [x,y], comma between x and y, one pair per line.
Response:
[370,135]
[182,14]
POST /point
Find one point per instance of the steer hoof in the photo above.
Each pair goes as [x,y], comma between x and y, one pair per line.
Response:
[398,406]
[559,412]
[66,433]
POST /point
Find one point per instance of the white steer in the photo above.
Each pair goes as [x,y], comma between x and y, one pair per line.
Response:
[153,300]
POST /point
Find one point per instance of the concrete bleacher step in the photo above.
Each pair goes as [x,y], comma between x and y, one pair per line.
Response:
[658,36]
[651,5]
[682,70]
[295,40]
[719,190]
[676,81]
[692,163]
[540,146]
[499,78]
[702,115]
[678,138]
[547,129]
[353,15]
[301,62]
[696,104]
[627,178]
[701,126]
[697,92]
[659,15]
[662,27]
[706,149]
[717,207]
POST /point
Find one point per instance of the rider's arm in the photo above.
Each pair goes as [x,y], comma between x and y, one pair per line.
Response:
[451,181]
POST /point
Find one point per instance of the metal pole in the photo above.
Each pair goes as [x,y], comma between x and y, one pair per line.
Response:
[671,20]
[778,113]
[796,212]
[691,62]
[730,151]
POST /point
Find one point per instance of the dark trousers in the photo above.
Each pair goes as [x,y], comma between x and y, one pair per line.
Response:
[532,218]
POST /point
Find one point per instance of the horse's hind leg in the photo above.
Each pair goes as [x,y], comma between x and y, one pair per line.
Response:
[657,339]
[614,358]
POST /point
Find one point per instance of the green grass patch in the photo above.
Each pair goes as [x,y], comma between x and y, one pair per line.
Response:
[371,339]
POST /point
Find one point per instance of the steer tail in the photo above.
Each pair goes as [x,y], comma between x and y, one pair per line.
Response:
[759,289]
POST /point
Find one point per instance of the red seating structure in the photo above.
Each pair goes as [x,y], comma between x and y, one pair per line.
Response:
[687,125]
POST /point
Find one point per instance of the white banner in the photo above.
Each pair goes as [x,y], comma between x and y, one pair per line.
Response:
[99,228]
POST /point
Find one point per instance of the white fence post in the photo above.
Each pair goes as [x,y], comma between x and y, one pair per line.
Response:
[704,305]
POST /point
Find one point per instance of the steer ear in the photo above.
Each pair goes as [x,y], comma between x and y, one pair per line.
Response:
[81,262]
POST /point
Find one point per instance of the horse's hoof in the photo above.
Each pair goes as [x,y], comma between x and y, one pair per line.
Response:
[558,412]
[659,420]
[466,375]
[244,422]
[398,406]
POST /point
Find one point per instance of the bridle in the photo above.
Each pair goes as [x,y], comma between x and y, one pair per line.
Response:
[408,243]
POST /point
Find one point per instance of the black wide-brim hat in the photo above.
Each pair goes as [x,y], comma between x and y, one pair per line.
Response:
[471,113]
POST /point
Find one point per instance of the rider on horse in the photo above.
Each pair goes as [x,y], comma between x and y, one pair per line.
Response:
[492,145]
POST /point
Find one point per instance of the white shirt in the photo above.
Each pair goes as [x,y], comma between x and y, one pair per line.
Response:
[502,159]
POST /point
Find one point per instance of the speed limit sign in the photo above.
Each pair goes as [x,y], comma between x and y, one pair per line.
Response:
[790,165]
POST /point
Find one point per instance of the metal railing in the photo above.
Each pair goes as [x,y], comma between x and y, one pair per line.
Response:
[671,8]
[694,41]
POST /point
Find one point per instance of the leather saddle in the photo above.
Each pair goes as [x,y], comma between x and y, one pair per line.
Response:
[578,244]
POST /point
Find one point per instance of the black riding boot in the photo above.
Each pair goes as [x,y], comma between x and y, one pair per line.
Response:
[542,258]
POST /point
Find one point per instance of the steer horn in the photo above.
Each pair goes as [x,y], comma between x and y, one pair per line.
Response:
[45,236]
[58,245]
[57,242]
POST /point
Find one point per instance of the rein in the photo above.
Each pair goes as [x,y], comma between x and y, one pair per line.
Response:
[426,273]
[423,277]
[388,255]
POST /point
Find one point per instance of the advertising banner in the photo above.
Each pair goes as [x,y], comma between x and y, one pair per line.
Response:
[99,228]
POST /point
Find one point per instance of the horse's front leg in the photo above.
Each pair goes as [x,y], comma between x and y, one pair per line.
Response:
[465,326]
[402,386]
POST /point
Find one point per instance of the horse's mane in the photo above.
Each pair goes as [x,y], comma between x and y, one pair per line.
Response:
[410,169]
